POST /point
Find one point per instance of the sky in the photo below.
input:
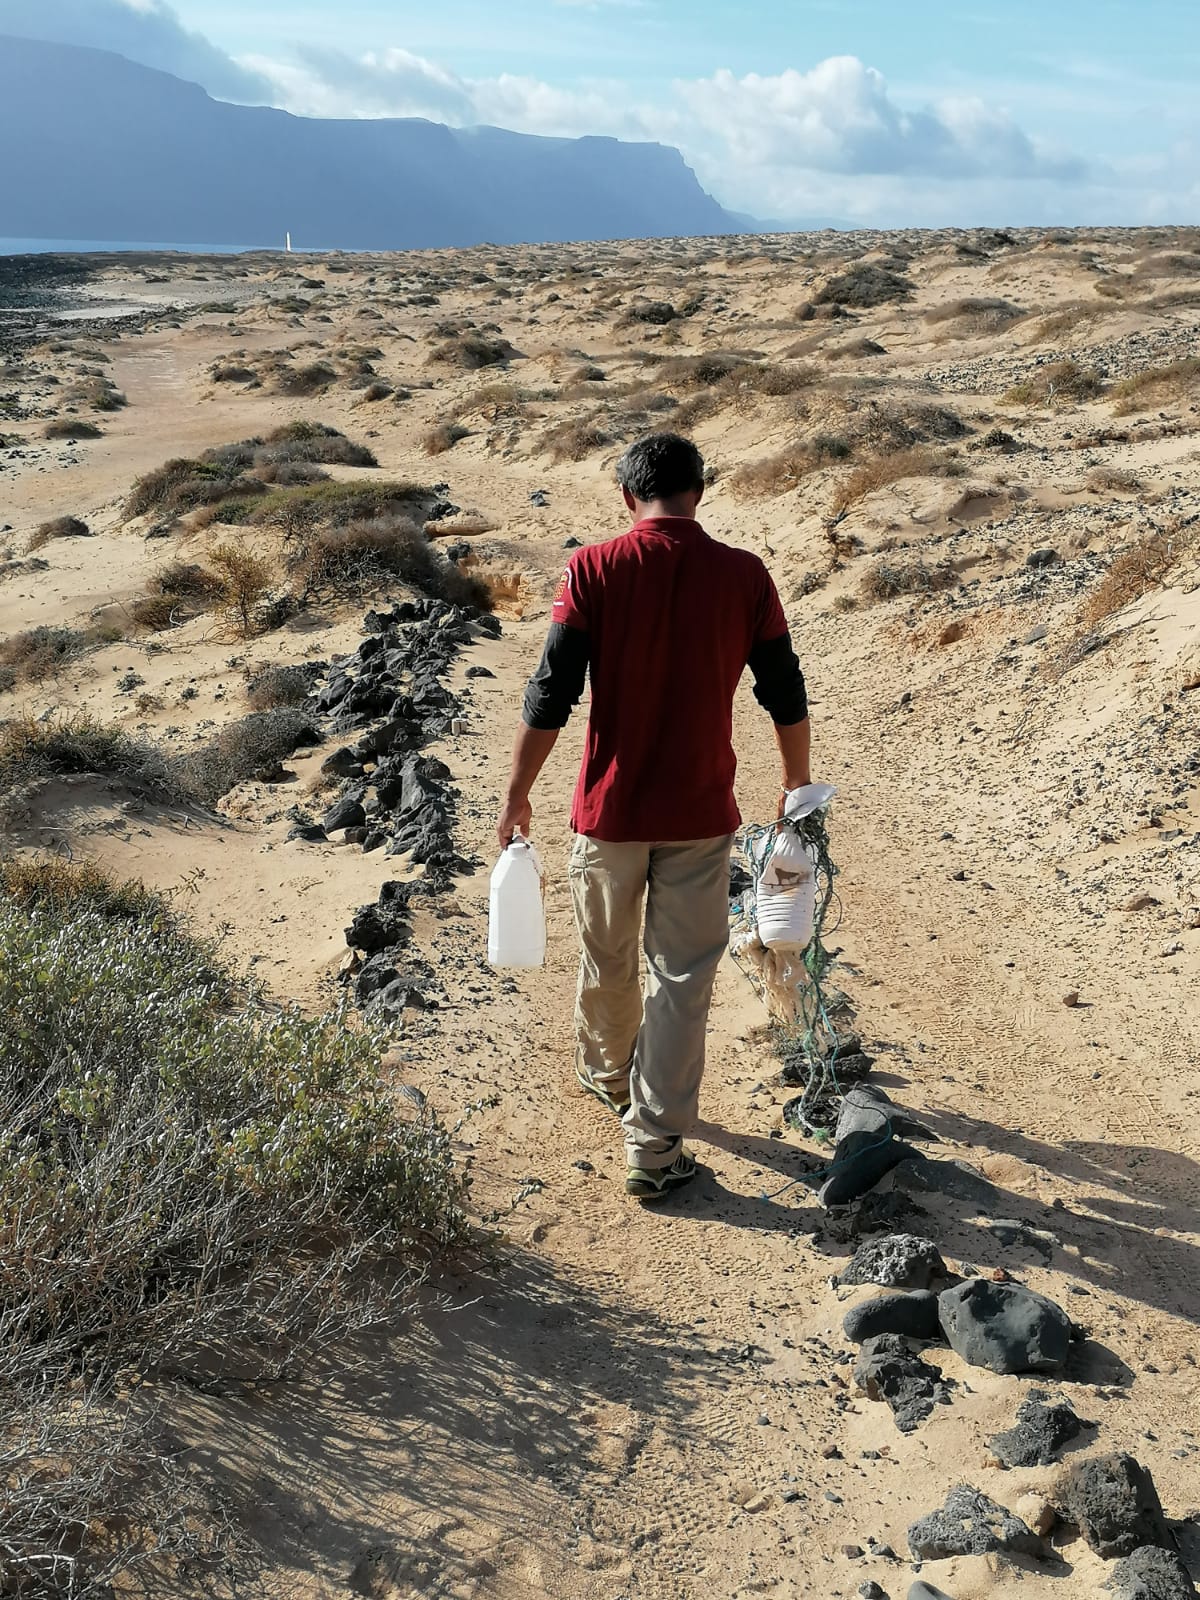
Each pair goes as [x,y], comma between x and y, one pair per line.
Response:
[859,111]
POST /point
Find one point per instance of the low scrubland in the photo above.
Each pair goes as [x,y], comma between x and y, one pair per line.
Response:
[198,1188]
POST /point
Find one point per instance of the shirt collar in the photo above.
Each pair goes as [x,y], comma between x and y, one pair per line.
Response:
[671,527]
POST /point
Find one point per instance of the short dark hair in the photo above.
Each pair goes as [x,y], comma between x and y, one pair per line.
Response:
[660,466]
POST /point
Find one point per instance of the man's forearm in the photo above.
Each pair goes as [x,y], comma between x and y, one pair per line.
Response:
[530,754]
[532,747]
[795,741]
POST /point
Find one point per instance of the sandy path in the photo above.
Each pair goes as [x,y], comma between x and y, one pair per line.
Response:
[632,1403]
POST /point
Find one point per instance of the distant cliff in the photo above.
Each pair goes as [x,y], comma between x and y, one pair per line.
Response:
[97,147]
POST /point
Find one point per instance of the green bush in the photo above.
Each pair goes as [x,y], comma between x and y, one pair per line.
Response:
[297,510]
[193,1184]
[242,470]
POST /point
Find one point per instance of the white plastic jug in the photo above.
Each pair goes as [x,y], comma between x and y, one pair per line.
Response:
[516,917]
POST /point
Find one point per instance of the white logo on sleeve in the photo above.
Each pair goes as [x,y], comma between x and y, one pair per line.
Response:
[562,595]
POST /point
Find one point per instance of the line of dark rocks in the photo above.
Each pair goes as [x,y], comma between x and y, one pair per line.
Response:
[1108,1499]
[991,1322]
[390,694]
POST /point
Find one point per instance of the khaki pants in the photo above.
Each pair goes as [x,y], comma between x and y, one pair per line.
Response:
[654,1042]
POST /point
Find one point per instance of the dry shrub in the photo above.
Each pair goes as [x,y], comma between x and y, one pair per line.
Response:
[1176,300]
[71,428]
[178,590]
[38,653]
[1054,327]
[975,314]
[301,510]
[1170,264]
[302,382]
[186,580]
[887,579]
[878,473]
[443,436]
[99,393]
[232,372]
[576,439]
[657,313]
[379,390]
[1119,479]
[283,686]
[357,557]
[855,349]
[471,351]
[245,579]
[293,453]
[1157,386]
[305,441]
[496,399]
[31,750]
[864,285]
[52,883]
[58,528]
[1137,571]
[183,484]
[776,474]
[1060,383]
[719,379]
[155,612]
[254,748]
[281,475]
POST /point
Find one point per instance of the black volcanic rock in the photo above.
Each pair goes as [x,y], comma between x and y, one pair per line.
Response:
[1112,1500]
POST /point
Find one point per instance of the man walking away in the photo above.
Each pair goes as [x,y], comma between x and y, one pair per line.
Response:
[664,619]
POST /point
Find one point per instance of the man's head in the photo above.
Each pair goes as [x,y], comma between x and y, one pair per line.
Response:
[663,473]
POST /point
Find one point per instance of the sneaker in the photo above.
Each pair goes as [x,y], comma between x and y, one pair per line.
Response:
[650,1186]
[618,1105]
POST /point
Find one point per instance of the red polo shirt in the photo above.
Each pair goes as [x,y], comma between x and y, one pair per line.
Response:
[671,618]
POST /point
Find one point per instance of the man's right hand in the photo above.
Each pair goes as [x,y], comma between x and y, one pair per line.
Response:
[515,818]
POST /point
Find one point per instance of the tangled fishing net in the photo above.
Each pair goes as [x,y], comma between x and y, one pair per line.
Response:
[790,973]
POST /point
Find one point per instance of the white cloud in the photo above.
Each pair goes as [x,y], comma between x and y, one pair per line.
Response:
[769,144]
[386,83]
[830,141]
[148,31]
[840,117]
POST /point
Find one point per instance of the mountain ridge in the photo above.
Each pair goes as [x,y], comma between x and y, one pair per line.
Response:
[113,149]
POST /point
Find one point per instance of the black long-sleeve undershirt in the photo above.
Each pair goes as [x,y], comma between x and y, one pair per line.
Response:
[557,686]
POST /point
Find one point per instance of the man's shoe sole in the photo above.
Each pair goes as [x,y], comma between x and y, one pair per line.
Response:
[608,1101]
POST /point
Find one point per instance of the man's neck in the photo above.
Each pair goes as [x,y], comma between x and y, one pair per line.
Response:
[680,506]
